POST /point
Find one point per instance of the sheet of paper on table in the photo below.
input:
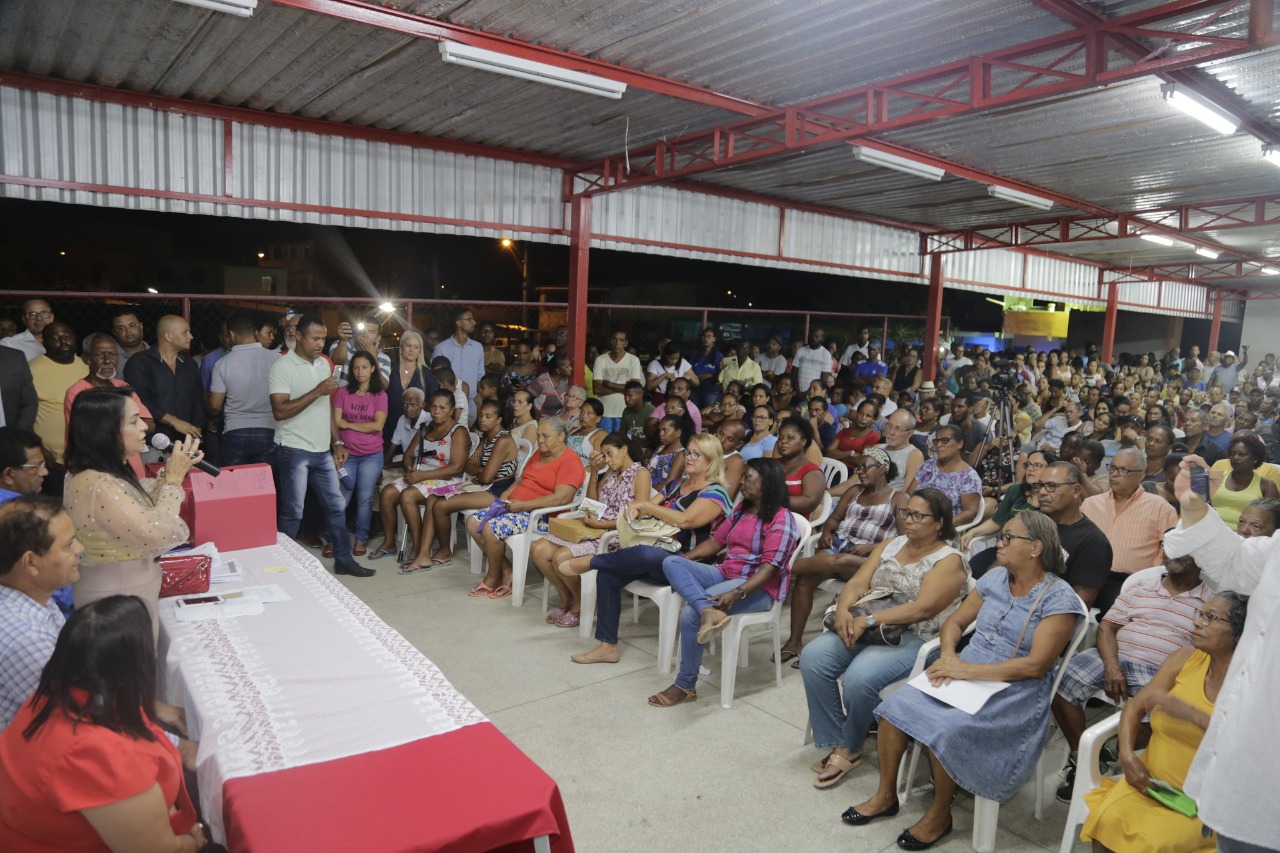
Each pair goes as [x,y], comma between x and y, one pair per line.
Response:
[263,594]
[230,609]
[968,696]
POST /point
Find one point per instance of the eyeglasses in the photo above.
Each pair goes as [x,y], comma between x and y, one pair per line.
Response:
[913,516]
[1035,466]
[1006,538]
[761,418]
[1210,618]
[692,454]
[1048,486]
[41,465]
[1125,472]
[44,315]
[944,439]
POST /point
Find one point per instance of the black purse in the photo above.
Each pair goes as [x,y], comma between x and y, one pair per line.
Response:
[873,601]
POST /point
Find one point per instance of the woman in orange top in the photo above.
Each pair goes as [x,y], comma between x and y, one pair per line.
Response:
[85,765]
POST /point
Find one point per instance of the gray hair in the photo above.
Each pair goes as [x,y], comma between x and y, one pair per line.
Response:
[415,394]
[905,413]
[579,388]
[1045,531]
[1237,611]
[92,338]
[1139,456]
[1069,468]
[557,423]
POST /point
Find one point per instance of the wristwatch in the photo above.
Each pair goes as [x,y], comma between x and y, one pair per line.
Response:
[339,444]
[742,593]
[870,620]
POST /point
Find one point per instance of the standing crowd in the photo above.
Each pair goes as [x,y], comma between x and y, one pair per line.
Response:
[988,514]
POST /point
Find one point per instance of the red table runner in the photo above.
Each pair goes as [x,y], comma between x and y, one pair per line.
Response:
[465,791]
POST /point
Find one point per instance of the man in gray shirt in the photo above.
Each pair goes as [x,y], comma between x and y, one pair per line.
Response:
[238,390]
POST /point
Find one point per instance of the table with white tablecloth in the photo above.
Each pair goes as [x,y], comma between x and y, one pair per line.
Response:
[321,728]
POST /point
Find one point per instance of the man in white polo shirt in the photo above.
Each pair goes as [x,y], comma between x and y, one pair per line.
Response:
[300,383]
[610,375]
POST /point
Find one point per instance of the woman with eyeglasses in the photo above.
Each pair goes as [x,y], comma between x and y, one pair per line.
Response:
[1017,499]
[949,473]
[1173,711]
[865,516]
[694,504]
[1025,616]
[762,439]
[925,579]
[574,400]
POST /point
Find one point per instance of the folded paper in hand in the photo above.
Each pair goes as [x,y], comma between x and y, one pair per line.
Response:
[968,696]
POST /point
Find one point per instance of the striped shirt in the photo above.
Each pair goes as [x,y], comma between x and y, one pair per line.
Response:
[1153,622]
[750,544]
[1134,528]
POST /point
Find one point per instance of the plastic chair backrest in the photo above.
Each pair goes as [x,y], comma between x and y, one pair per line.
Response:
[834,470]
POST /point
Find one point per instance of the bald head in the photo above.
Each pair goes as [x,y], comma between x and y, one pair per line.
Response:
[173,334]
[898,428]
[731,433]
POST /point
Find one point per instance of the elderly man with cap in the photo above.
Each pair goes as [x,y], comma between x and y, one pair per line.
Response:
[1228,372]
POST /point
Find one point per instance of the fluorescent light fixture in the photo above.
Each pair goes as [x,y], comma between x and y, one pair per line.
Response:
[901,164]
[152,290]
[1156,238]
[1018,196]
[1269,271]
[243,8]
[526,69]
[1207,253]
[1198,108]
[1271,155]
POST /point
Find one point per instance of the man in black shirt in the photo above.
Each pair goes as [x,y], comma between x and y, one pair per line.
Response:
[167,380]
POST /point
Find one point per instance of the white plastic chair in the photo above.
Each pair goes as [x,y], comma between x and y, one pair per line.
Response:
[986,813]
[524,450]
[834,470]
[1087,776]
[982,510]
[735,647]
[810,543]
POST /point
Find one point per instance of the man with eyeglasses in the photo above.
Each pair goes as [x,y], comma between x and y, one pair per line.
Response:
[22,475]
[898,429]
[1131,518]
[1059,494]
[36,314]
[1149,621]
[126,328]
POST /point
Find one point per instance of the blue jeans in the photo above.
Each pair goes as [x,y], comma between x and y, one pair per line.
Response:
[611,424]
[298,468]
[363,474]
[613,572]
[696,583]
[864,671]
[247,446]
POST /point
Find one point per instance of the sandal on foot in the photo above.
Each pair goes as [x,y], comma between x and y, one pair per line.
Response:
[821,764]
[554,615]
[662,700]
[501,592]
[568,619]
[437,563]
[380,553]
[481,590]
[359,550]
[787,655]
[840,766]
[708,632]
[412,568]
[328,550]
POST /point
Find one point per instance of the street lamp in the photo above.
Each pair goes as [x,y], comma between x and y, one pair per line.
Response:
[523,259]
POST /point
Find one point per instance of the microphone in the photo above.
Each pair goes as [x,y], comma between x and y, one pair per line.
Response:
[162,442]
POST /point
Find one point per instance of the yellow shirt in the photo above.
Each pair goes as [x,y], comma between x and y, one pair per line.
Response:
[1266,469]
[52,381]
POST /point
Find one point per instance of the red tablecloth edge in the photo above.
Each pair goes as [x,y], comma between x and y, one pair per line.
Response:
[462,792]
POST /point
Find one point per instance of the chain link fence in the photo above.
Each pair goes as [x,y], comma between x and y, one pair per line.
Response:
[647,326]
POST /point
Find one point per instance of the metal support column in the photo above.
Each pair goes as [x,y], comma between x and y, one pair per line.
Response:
[1216,327]
[933,318]
[1109,323]
[579,254]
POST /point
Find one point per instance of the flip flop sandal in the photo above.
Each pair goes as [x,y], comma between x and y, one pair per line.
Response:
[502,591]
[481,591]
[787,655]
[795,664]
[840,763]
[412,568]
[661,700]
[707,633]
[380,553]
[821,764]
[440,564]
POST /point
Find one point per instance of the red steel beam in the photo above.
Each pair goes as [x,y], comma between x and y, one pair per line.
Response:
[1109,322]
[1215,327]
[1077,14]
[1207,272]
[579,268]
[407,23]
[1014,75]
[933,318]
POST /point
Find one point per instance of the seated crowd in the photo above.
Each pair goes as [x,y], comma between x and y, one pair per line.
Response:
[987,509]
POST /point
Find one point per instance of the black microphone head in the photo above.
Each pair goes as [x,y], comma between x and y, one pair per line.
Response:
[161,442]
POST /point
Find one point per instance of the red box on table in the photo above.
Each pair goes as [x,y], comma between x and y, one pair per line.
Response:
[234,510]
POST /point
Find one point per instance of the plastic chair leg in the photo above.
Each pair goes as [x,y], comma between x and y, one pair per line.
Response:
[668,627]
[986,815]
[519,545]
[732,640]
[587,625]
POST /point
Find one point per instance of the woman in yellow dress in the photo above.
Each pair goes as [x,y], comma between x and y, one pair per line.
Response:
[1122,817]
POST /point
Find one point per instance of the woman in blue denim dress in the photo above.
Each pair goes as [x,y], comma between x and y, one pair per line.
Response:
[1026,614]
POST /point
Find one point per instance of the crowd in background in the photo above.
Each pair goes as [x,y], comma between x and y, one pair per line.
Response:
[989,506]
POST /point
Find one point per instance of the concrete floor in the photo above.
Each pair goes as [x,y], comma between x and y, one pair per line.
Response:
[635,778]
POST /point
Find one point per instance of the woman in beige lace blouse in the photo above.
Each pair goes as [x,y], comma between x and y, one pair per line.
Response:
[124,523]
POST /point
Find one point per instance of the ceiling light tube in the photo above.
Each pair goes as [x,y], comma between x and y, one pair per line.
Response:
[1198,108]
[243,8]
[526,69]
[1207,253]
[877,157]
[1018,196]
[1271,154]
[1156,238]
[1269,271]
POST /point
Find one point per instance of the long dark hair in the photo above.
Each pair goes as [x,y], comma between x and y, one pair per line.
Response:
[376,382]
[621,439]
[940,507]
[681,422]
[105,650]
[93,438]
[773,487]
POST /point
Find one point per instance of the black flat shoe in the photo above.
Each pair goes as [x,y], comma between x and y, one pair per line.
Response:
[853,817]
[907,841]
[351,568]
